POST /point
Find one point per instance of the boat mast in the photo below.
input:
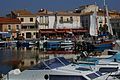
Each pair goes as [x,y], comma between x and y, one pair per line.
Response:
[106,18]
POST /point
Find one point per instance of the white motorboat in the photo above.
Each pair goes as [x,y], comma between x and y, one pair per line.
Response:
[56,69]
[104,63]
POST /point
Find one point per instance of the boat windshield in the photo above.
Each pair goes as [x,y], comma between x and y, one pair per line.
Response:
[92,75]
[51,64]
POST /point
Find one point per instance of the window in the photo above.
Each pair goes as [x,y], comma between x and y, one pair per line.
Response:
[86,21]
[22,34]
[61,20]
[112,24]
[37,35]
[9,27]
[22,19]
[100,25]
[31,19]
[46,19]
[67,19]
[41,19]
[71,18]
[17,27]
[28,35]
[34,33]
[82,23]
[31,27]
[117,24]
[24,27]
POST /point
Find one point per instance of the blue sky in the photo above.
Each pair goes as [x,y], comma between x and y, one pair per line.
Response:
[54,5]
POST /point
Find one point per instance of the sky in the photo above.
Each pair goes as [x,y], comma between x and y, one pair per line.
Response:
[6,6]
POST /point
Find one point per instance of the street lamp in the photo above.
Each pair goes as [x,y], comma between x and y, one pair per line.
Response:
[17,32]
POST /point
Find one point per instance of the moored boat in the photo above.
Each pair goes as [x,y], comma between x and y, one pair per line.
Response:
[56,69]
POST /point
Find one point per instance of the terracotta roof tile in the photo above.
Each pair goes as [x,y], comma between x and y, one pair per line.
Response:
[9,21]
[58,13]
[44,12]
[22,13]
[67,14]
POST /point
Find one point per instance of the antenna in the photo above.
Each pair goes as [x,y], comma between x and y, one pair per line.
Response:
[104,11]
[95,5]
[104,2]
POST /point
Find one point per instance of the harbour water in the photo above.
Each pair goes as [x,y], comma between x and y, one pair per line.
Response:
[11,58]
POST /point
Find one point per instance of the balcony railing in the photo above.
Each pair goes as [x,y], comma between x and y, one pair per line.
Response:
[30,29]
[44,24]
[66,21]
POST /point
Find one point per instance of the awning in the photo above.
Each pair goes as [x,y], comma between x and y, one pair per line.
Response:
[6,35]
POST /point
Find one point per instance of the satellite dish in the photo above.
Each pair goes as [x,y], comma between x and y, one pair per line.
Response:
[41,10]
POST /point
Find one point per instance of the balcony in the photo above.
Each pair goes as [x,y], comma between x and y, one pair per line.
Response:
[46,24]
[29,29]
[65,21]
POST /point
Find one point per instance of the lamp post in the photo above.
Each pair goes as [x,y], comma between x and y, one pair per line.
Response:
[17,38]
[17,34]
[10,31]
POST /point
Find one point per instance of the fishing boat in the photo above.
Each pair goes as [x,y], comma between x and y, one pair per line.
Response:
[101,34]
[59,46]
[56,69]
[67,44]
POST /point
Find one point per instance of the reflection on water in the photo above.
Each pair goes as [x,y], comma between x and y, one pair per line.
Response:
[6,58]
[23,57]
[7,55]
[11,58]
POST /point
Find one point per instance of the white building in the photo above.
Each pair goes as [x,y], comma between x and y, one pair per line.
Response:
[86,19]
[68,20]
[88,8]
[58,20]
[45,19]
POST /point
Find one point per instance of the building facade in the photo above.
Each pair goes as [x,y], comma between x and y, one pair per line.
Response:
[56,20]
[88,8]
[29,29]
[45,19]
[86,18]
[51,22]
[68,20]
[13,26]
[115,22]
[59,24]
